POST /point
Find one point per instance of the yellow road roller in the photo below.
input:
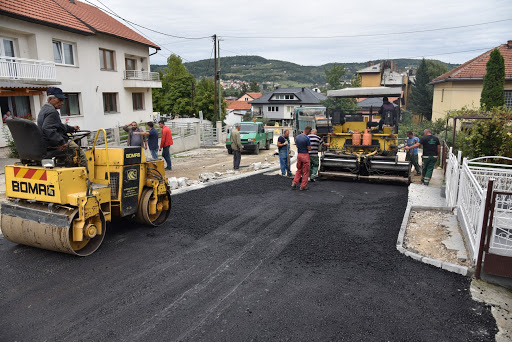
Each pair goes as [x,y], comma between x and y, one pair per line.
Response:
[363,144]
[53,206]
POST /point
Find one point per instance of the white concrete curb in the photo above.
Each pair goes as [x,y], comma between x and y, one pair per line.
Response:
[228,179]
[463,270]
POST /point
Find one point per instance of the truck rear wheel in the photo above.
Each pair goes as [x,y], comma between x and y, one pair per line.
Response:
[267,146]
[257,149]
[230,150]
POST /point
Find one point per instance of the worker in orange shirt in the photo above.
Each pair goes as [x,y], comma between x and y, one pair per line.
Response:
[165,144]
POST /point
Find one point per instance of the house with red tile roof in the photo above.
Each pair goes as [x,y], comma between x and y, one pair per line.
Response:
[250,96]
[462,86]
[101,64]
[236,111]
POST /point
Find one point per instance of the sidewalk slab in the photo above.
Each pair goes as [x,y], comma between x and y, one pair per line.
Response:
[422,197]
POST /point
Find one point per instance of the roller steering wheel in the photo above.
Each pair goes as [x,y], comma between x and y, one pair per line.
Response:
[77,135]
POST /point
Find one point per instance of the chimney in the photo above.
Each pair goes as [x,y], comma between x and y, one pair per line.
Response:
[509,44]
[302,88]
[72,1]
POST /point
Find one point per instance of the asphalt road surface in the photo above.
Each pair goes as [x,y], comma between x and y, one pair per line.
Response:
[249,260]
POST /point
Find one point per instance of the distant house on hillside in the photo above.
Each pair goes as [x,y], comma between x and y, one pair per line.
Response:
[385,74]
[250,96]
[279,105]
[100,64]
[463,85]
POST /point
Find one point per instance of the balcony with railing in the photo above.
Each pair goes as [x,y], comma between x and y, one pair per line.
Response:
[14,68]
[141,79]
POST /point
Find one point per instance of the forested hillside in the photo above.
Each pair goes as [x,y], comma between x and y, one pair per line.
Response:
[255,68]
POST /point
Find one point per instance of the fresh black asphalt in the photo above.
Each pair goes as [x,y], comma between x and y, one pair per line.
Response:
[249,260]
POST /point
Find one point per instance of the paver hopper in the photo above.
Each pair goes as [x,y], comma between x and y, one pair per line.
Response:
[360,147]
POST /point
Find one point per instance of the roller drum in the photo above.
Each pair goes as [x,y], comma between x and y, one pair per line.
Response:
[39,225]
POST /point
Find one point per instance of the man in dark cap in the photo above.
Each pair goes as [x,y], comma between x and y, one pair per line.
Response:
[387,107]
[55,132]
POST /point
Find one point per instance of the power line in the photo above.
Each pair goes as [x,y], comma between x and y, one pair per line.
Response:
[445,53]
[111,12]
[209,60]
[144,27]
[365,35]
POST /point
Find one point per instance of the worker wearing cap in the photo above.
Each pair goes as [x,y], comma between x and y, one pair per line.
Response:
[55,133]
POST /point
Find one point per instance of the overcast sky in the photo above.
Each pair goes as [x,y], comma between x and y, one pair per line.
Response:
[368,22]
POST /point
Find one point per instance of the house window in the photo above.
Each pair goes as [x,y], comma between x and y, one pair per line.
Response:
[110,102]
[138,101]
[7,47]
[21,107]
[71,105]
[63,53]
[107,60]
[508,99]
[130,64]
[290,109]
[284,97]
[273,109]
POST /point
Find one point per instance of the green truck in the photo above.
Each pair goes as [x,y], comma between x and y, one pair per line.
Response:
[253,137]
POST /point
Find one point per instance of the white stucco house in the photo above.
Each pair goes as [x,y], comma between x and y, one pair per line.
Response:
[100,64]
[279,105]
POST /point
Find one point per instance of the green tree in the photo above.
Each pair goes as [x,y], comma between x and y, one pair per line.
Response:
[334,77]
[204,100]
[422,94]
[493,94]
[243,89]
[254,87]
[177,93]
[486,137]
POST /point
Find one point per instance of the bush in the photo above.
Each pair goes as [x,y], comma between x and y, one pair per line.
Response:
[485,137]
[13,152]
[437,127]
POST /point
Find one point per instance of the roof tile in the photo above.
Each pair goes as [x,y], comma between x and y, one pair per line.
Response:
[77,16]
[239,105]
[476,67]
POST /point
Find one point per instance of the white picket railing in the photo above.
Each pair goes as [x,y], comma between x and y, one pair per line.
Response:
[452,177]
[15,68]
[484,171]
[470,208]
[501,238]
[141,75]
[474,178]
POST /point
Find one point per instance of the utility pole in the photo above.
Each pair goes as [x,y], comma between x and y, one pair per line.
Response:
[215,75]
[220,93]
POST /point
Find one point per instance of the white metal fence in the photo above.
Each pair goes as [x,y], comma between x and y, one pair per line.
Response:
[470,207]
[208,135]
[501,238]
[27,69]
[181,129]
[474,177]
[141,75]
[452,178]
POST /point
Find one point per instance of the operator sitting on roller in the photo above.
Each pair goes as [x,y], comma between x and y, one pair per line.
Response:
[55,132]
[386,107]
